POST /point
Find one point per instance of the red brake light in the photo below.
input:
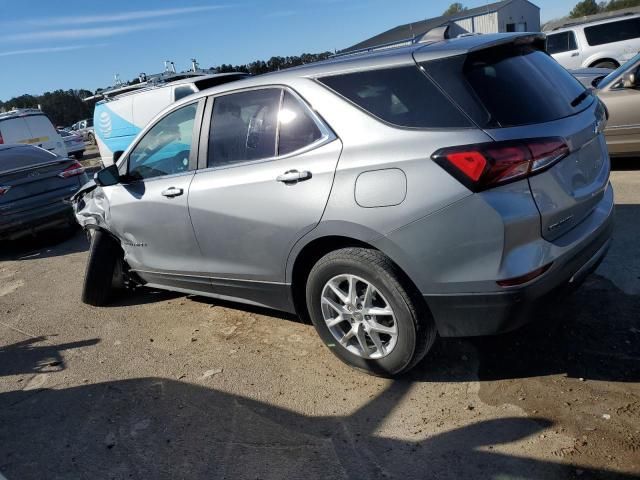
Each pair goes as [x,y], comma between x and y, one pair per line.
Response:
[72,170]
[487,165]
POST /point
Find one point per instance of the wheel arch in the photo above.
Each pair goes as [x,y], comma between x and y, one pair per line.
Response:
[593,62]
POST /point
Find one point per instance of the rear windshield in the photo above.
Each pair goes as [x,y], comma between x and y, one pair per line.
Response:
[510,86]
[402,96]
[12,157]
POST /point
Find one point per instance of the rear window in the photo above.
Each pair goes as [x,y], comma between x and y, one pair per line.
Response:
[561,42]
[401,96]
[613,31]
[510,86]
[12,157]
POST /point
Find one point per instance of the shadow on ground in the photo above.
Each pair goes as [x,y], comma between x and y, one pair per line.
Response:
[157,428]
[36,355]
[51,243]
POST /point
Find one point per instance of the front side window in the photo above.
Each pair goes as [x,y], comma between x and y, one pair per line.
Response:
[244,127]
[613,31]
[402,96]
[165,148]
[561,42]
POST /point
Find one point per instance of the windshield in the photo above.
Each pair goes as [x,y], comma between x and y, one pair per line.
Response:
[606,81]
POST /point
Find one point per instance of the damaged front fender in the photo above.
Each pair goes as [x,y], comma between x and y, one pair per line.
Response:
[91,207]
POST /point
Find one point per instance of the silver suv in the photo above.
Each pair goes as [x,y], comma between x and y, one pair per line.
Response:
[447,187]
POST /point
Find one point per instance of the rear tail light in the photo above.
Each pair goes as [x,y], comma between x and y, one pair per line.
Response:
[487,165]
[1,139]
[4,189]
[512,282]
[71,171]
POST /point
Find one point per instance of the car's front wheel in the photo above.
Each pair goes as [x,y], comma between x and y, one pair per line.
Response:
[366,313]
[105,256]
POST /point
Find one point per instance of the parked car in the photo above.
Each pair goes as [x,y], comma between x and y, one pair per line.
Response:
[85,129]
[35,187]
[602,43]
[31,126]
[74,144]
[356,192]
[120,117]
[620,92]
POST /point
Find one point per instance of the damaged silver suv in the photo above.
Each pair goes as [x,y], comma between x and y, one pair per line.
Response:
[448,187]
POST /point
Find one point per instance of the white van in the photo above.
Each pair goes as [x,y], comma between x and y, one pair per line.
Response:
[602,43]
[119,117]
[32,126]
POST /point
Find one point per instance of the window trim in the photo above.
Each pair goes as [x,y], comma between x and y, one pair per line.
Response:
[123,167]
[327,134]
[472,125]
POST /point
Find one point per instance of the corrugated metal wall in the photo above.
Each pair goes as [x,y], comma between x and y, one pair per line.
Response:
[487,23]
[465,23]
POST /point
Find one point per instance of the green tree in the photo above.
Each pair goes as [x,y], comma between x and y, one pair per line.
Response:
[619,4]
[454,8]
[585,7]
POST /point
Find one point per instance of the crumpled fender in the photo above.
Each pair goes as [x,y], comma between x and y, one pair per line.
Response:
[91,207]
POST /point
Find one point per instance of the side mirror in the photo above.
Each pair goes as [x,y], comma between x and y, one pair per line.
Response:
[629,80]
[107,176]
[116,155]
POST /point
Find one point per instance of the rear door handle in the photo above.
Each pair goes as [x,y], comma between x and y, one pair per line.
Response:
[294,176]
[575,54]
[172,192]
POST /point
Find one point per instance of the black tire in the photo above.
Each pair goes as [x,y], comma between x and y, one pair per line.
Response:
[606,64]
[104,255]
[416,329]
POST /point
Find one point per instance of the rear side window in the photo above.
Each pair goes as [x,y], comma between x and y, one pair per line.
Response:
[510,86]
[561,42]
[297,127]
[244,127]
[613,31]
[401,96]
[182,91]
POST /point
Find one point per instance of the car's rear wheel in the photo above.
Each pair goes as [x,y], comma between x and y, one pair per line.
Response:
[366,313]
[606,64]
[105,256]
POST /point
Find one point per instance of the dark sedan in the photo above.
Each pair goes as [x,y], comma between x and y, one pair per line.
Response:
[35,186]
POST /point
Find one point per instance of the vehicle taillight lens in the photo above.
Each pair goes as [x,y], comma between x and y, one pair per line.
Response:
[4,189]
[72,170]
[1,139]
[487,165]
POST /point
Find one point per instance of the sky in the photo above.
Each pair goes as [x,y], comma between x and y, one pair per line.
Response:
[46,45]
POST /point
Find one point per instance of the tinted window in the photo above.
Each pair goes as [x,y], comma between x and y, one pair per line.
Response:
[182,91]
[243,127]
[297,127]
[510,86]
[401,96]
[561,42]
[165,148]
[23,156]
[613,31]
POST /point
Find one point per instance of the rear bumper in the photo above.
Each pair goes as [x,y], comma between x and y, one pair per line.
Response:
[36,220]
[488,313]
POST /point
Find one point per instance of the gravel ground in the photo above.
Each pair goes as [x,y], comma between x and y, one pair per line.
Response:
[162,385]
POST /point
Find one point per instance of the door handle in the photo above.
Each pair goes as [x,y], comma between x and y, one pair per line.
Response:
[574,54]
[172,192]
[294,176]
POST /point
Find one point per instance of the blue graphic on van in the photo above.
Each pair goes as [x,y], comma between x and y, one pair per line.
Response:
[114,131]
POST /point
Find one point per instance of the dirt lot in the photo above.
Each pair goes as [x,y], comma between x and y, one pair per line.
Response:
[162,385]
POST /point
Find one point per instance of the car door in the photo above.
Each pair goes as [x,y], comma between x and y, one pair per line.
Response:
[148,209]
[564,48]
[623,128]
[265,181]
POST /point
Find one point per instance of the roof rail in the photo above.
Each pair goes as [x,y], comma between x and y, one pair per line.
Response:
[21,111]
[434,35]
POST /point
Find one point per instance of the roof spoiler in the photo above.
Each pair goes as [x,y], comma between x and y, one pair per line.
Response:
[537,40]
[435,34]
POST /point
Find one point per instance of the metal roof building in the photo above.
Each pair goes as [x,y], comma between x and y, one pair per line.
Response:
[504,16]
